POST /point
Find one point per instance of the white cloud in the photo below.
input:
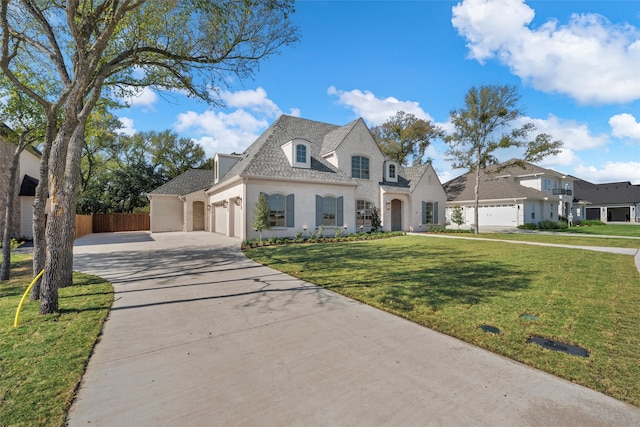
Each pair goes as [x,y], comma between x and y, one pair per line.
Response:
[610,172]
[253,100]
[589,58]
[127,126]
[625,126]
[374,110]
[575,136]
[220,132]
[140,97]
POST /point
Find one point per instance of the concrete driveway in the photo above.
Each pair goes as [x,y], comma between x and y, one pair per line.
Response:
[200,336]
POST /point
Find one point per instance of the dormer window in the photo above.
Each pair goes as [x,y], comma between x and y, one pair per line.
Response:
[298,152]
[301,153]
[391,171]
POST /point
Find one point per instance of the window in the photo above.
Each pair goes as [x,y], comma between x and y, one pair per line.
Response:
[360,167]
[301,153]
[276,210]
[363,213]
[329,211]
[546,184]
[281,210]
[392,171]
[428,213]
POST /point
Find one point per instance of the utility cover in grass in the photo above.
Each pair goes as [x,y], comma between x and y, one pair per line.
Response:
[489,328]
[573,350]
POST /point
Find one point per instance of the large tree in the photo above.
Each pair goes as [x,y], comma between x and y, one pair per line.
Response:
[404,136]
[98,48]
[490,120]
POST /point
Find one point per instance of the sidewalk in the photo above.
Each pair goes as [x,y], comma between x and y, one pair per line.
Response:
[201,336]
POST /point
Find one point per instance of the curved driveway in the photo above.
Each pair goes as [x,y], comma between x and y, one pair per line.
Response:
[200,336]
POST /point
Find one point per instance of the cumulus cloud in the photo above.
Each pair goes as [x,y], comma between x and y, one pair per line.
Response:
[252,100]
[575,136]
[127,126]
[145,97]
[610,172]
[625,126]
[220,132]
[589,58]
[374,110]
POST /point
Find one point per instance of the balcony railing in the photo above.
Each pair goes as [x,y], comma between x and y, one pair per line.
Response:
[562,192]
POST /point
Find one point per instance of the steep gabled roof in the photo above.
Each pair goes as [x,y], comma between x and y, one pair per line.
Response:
[266,159]
[608,193]
[188,182]
[333,139]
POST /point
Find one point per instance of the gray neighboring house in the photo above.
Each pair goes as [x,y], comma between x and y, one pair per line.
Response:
[512,195]
[179,205]
[609,202]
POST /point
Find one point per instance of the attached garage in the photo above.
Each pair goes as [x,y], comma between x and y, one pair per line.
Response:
[501,215]
[220,219]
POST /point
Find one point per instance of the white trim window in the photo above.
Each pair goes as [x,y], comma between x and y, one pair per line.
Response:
[364,209]
[360,167]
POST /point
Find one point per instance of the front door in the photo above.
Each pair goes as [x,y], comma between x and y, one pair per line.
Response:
[396,215]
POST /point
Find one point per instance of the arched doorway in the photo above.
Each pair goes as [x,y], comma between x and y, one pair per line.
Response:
[396,215]
[198,216]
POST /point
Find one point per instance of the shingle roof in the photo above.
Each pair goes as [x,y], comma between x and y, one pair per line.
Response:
[608,193]
[266,159]
[497,186]
[188,182]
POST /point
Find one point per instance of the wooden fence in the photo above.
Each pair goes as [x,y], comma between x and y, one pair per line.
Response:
[113,222]
[84,225]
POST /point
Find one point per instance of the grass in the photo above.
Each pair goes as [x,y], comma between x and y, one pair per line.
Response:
[583,298]
[561,238]
[42,360]
[631,230]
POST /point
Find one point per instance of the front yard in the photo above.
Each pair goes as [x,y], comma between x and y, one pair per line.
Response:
[583,298]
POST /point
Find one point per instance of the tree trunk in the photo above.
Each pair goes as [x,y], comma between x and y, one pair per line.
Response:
[5,270]
[39,208]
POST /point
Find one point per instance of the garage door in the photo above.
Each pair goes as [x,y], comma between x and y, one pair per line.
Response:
[503,215]
[220,219]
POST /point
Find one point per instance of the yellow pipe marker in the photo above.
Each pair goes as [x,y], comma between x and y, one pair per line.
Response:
[15,322]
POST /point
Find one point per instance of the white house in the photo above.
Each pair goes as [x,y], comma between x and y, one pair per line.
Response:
[27,180]
[317,174]
[512,194]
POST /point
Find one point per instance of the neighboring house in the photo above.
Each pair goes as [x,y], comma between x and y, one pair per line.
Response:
[511,195]
[611,202]
[179,205]
[27,180]
[318,174]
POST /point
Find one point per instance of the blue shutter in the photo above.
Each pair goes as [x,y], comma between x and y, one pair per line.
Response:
[424,213]
[318,210]
[435,212]
[339,214]
[290,210]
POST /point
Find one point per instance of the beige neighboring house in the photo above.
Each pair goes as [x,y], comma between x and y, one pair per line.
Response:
[25,189]
[179,205]
[319,174]
[512,195]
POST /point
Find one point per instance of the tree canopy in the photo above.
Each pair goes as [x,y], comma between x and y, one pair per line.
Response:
[405,137]
[490,121]
[114,48]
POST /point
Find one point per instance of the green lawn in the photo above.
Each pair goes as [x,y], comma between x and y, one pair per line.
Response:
[42,360]
[560,238]
[584,298]
[632,230]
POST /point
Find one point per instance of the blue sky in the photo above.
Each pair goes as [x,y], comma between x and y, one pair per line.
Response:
[576,65]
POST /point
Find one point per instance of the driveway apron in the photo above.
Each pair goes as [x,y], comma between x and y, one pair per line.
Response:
[199,335]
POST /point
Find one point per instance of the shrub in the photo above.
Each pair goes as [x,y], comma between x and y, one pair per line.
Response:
[547,224]
[435,228]
[590,222]
[298,235]
[339,232]
[273,240]
[528,226]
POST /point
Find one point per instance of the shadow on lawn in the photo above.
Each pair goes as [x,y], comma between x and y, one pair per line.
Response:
[402,276]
